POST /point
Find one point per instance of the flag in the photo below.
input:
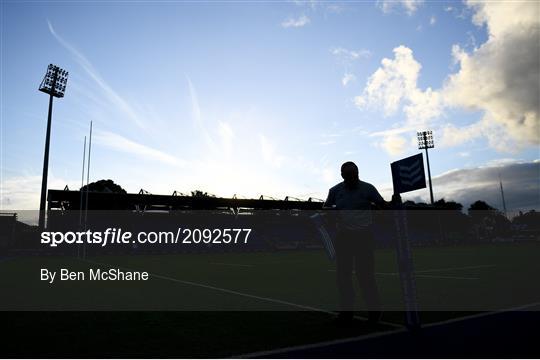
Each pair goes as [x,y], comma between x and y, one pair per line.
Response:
[318,221]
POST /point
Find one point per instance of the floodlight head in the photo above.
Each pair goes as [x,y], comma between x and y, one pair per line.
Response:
[425,140]
[54,82]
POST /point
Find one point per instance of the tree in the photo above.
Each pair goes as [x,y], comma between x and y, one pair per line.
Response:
[107,186]
[530,219]
[199,193]
[448,205]
[480,205]
[489,221]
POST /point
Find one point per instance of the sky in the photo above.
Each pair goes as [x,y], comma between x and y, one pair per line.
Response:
[252,98]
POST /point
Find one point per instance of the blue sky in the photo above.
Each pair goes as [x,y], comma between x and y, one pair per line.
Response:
[249,98]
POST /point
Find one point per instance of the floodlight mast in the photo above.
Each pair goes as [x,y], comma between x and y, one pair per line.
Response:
[425,142]
[54,84]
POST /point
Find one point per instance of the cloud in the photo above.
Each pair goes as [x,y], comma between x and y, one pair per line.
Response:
[346,57]
[347,78]
[393,140]
[432,20]
[195,107]
[269,152]
[120,143]
[498,79]
[423,105]
[311,3]
[226,134]
[295,23]
[23,192]
[393,131]
[410,6]
[389,84]
[335,9]
[520,182]
[393,87]
[359,101]
[350,55]
[452,135]
[197,116]
[112,96]
[394,144]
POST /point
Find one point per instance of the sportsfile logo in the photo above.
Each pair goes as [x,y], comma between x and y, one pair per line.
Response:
[109,236]
[118,236]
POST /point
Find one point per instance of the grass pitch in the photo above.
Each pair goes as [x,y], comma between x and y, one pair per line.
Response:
[233,303]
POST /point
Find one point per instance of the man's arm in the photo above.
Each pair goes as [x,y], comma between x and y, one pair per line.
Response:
[330,202]
[378,200]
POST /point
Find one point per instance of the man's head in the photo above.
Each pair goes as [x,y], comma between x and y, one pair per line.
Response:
[349,173]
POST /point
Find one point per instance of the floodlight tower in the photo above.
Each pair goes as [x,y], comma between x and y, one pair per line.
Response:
[425,142]
[54,84]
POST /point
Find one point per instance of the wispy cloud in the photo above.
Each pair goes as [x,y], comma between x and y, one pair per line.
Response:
[269,152]
[394,131]
[347,54]
[410,6]
[120,143]
[227,135]
[347,78]
[197,115]
[111,95]
[311,3]
[195,108]
[346,57]
[335,8]
[295,22]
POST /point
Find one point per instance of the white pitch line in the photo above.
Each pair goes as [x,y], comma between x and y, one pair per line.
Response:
[474,316]
[423,276]
[446,277]
[434,276]
[419,273]
[262,298]
[210,287]
[319,344]
[369,336]
[228,264]
[455,268]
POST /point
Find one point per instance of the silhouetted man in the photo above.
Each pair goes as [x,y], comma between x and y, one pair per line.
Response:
[354,242]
